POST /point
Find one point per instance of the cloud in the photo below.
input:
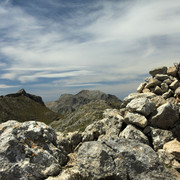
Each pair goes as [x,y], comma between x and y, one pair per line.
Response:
[90,44]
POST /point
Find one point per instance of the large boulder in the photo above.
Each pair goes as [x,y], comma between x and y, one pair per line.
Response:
[167,115]
[142,105]
[130,132]
[160,70]
[159,136]
[136,119]
[30,150]
[120,159]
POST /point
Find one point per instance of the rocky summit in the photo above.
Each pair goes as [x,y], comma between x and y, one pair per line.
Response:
[22,106]
[136,140]
[78,111]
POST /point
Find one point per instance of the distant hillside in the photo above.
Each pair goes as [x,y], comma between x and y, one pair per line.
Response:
[22,106]
[81,109]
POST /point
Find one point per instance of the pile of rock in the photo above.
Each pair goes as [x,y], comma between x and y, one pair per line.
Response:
[164,81]
[139,141]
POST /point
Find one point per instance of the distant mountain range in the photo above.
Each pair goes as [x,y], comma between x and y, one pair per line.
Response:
[81,109]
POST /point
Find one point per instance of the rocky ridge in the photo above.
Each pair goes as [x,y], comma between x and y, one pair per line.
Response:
[22,106]
[139,140]
[80,110]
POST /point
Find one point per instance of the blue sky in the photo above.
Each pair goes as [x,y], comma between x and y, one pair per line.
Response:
[50,47]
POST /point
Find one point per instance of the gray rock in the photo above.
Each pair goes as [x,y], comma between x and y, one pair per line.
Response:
[70,140]
[158,101]
[110,125]
[136,119]
[160,70]
[166,116]
[142,105]
[161,77]
[120,159]
[29,150]
[172,71]
[174,85]
[167,94]
[164,87]
[141,87]
[130,132]
[157,90]
[153,83]
[159,137]
[168,81]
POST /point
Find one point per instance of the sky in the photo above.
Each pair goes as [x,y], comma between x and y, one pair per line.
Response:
[52,47]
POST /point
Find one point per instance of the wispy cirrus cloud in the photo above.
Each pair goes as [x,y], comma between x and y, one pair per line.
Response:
[86,43]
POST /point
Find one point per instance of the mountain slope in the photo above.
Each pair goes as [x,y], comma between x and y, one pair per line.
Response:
[81,109]
[22,106]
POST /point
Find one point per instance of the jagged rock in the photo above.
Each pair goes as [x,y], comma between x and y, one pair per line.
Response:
[70,171]
[169,160]
[161,77]
[166,116]
[164,87]
[167,94]
[142,105]
[160,70]
[153,83]
[70,140]
[130,132]
[168,81]
[120,159]
[30,150]
[172,71]
[136,119]
[22,106]
[176,131]
[158,101]
[111,126]
[158,90]
[159,137]
[174,85]
[173,147]
[146,90]
[141,87]
[22,92]
[69,103]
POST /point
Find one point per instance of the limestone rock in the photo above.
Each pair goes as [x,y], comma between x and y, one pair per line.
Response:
[159,137]
[153,83]
[173,147]
[120,159]
[136,119]
[30,150]
[166,116]
[141,87]
[158,90]
[167,94]
[174,85]
[161,77]
[142,105]
[172,71]
[130,132]
[111,125]
[160,70]
[164,87]
[158,101]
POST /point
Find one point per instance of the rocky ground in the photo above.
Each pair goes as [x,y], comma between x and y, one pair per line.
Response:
[138,141]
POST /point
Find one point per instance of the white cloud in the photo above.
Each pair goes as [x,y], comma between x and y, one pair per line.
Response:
[120,40]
